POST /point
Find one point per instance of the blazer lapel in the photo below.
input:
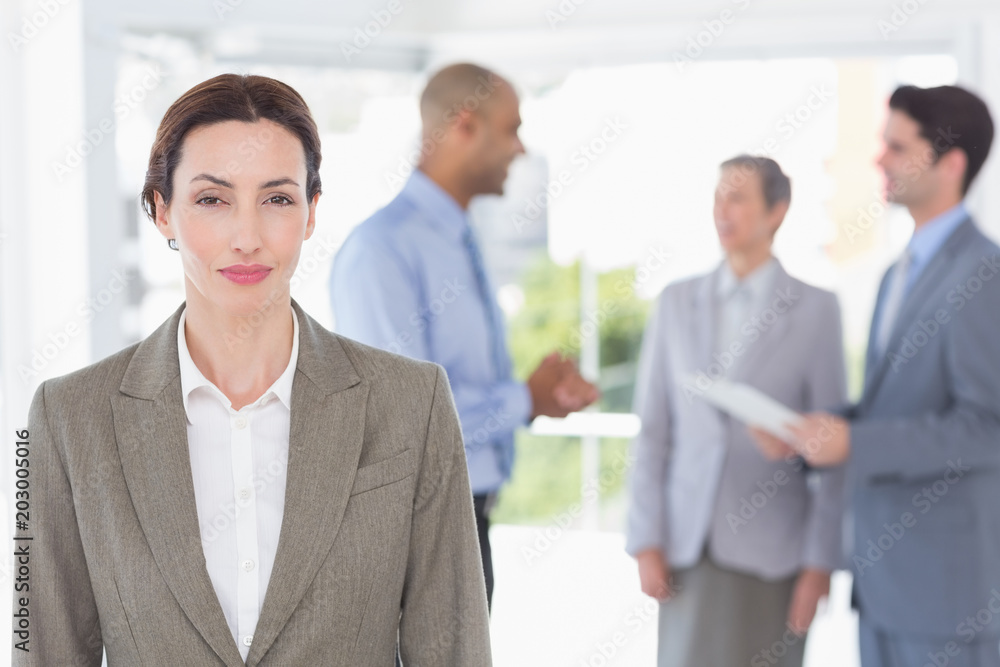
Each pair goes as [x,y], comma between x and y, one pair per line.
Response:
[151,430]
[703,321]
[929,280]
[327,431]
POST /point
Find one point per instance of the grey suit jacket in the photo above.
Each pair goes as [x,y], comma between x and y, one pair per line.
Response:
[698,477]
[925,455]
[378,533]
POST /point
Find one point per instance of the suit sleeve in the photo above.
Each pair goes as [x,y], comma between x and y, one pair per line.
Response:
[827,386]
[63,625]
[651,448]
[967,432]
[445,621]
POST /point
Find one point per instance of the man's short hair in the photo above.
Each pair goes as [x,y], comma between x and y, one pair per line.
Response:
[949,117]
[777,187]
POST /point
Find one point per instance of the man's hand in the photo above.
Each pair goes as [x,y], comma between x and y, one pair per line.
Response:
[557,388]
[810,587]
[573,392]
[654,574]
[822,439]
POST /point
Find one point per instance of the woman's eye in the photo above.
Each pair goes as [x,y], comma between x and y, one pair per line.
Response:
[280,200]
[209,201]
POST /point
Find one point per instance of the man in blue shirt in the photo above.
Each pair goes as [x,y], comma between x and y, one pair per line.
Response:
[411,280]
[922,446]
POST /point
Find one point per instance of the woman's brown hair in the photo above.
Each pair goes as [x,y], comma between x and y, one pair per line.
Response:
[243,97]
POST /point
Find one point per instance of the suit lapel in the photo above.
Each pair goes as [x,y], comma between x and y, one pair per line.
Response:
[929,280]
[703,321]
[151,430]
[871,353]
[327,431]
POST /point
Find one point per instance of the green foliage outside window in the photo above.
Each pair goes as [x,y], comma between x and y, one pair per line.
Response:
[546,478]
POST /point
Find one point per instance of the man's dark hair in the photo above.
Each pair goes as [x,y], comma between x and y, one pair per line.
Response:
[949,117]
[776,185]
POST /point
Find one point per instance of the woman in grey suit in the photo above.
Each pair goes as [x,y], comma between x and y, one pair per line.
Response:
[738,549]
[243,486]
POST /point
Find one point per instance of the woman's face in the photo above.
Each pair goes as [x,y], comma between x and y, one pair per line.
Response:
[742,218]
[239,213]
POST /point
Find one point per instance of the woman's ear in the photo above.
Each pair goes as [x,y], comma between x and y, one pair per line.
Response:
[311,222]
[161,220]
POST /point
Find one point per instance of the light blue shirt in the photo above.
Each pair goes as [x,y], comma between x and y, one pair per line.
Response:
[404,281]
[925,243]
[736,300]
[927,240]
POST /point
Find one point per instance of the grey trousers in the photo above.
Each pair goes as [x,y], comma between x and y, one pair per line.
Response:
[884,649]
[722,618]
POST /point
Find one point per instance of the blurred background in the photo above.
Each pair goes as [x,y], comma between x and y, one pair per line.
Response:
[628,107]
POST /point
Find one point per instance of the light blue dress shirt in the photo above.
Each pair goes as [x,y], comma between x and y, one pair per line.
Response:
[927,240]
[736,300]
[925,243]
[405,281]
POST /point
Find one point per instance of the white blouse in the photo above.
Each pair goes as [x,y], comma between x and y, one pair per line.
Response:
[239,461]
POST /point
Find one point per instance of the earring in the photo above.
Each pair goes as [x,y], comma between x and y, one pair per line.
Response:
[172,244]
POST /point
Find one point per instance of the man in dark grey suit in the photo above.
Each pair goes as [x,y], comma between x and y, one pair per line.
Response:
[923,443]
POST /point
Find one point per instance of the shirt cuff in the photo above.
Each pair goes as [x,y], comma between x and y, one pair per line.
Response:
[516,401]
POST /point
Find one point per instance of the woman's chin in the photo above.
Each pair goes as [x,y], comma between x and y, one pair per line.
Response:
[729,243]
[252,305]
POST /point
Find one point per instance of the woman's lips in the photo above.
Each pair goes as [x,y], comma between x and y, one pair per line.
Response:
[246,275]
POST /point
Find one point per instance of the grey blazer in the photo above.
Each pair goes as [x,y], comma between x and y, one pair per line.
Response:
[698,478]
[378,532]
[925,455]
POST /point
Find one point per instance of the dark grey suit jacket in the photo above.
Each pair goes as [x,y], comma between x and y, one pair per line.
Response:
[378,533]
[925,450]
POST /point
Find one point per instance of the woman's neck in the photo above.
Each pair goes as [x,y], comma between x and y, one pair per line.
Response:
[744,262]
[241,355]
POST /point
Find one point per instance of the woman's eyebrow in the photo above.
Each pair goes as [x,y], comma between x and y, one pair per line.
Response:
[226,184]
[279,181]
[212,179]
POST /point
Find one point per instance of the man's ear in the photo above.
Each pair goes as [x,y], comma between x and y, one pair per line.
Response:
[466,122]
[954,163]
[776,215]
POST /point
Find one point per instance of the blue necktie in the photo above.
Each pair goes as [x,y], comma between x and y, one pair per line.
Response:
[497,343]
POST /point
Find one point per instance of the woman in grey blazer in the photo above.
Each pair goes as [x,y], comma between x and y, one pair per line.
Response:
[737,548]
[243,486]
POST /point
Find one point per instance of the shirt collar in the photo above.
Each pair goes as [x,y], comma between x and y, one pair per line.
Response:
[441,207]
[757,281]
[931,236]
[192,378]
